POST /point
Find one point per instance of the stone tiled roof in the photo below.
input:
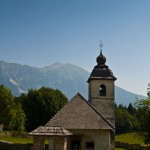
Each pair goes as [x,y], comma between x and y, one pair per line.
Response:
[50,131]
[107,113]
[79,114]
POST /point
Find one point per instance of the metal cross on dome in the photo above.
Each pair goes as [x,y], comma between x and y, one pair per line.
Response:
[101,46]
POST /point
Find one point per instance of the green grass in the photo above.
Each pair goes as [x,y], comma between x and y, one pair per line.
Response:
[131,138]
[15,139]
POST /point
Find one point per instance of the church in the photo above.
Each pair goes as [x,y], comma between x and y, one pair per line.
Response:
[83,124]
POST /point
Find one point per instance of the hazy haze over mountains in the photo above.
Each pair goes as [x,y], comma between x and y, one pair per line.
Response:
[68,78]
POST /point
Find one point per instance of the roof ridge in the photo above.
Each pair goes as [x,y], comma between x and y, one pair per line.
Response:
[110,124]
[103,121]
[78,94]
[57,113]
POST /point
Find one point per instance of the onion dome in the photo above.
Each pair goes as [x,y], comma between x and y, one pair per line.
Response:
[101,59]
[101,70]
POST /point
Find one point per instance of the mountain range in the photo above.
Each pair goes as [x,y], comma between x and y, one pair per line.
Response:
[68,78]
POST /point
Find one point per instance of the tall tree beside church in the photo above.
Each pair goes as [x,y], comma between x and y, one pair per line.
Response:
[6,103]
[40,105]
[11,113]
[131,109]
[18,118]
[125,122]
[143,113]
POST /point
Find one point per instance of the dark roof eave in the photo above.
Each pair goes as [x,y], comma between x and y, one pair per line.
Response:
[46,135]
[50,131]
[102,78]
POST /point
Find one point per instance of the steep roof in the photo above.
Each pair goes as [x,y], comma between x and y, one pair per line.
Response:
[50,131]
[79,114]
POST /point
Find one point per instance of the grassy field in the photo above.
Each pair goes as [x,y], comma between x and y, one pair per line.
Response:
[15,138]
[131,138]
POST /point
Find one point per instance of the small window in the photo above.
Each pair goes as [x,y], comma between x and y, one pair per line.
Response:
[102,90]
[89,144]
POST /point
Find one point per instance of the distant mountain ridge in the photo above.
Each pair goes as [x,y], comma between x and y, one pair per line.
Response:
[68,78]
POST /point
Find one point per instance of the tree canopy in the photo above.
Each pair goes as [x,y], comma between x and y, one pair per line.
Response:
[11,113]
[28,111]
[143,110]
[41,105]
[125,122]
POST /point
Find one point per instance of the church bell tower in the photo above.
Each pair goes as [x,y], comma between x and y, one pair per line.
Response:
[101,89]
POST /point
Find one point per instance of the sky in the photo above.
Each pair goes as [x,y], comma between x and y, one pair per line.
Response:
[41,32]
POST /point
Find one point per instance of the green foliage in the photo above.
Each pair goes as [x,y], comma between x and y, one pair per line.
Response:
[125,122]
[41,105]
[6,104]
[11,114]
[143,107]
[126,119]
[17,121]
[132,110]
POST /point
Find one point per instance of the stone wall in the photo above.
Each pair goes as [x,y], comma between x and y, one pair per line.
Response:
[127,146]
[99,137]
[10,146]
[60,143]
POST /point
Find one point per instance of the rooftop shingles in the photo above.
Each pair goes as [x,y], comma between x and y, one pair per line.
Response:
[50,131]
[79,114]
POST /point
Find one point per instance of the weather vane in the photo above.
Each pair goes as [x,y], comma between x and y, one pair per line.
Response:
[101,46]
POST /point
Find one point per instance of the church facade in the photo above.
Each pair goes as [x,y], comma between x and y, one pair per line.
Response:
[84,124]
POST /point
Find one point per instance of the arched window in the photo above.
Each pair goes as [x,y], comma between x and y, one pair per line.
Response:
[102,90]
